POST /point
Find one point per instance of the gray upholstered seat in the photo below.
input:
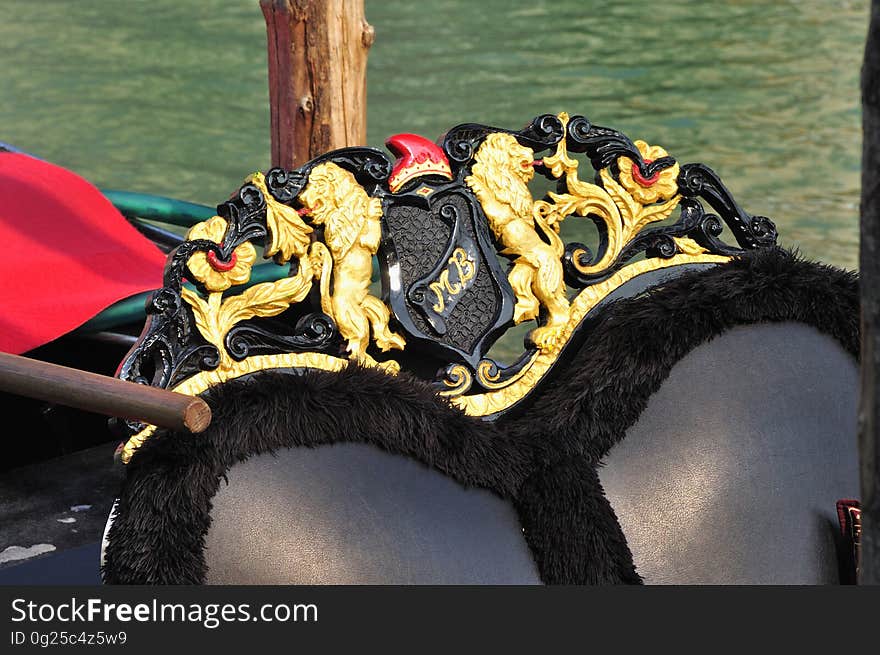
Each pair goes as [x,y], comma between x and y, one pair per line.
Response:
[730,476]
[732,472]
[350,513]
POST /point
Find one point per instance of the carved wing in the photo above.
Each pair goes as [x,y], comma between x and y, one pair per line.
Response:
[342,230]
[513,193]
[289,236]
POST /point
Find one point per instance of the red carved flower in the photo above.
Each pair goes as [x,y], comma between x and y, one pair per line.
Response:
[210,270]
[659,186]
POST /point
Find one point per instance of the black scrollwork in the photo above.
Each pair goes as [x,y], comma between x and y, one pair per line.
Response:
[170,349]
[285,185]
[461,142]
[246,219]
[370,166]
[698,180]
[442,219]
[313,332]
[693,223]
[603,146]
[542,133]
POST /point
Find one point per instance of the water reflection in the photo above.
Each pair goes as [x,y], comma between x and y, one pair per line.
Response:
[171,98]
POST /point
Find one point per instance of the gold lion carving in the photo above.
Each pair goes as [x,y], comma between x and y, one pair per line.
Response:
[499,178]
[352,232]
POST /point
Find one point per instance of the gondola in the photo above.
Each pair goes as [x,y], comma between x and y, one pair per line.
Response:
[682,410]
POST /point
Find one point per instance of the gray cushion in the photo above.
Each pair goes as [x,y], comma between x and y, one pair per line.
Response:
[352,514]
[732,472]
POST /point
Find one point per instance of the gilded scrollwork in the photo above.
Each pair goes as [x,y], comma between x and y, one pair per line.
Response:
[625,206]
[436,230]
[458,380]
[499,178]
[216,316]
[342,264]
[499,399]
[205,267]
[351,232]
[289,236]
[660,186]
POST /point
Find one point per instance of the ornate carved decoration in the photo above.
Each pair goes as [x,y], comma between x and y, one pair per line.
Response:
[352,232]
[500,175]
[437,220]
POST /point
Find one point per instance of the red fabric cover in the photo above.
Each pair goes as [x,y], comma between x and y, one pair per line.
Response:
[67,253]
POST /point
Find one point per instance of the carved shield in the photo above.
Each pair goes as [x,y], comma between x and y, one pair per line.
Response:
[444,282]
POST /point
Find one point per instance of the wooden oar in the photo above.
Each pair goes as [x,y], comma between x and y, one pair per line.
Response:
[102,394]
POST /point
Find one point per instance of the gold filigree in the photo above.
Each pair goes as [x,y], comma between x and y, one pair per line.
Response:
[631,219]
[341,263]
[491,380]
[499,178]
[622,225]
[688,246]
[203,381]
[217,276]
[459,379]
[216,316]
[625,206]
[660,186]
[495,401]
[289,236]
[352,233]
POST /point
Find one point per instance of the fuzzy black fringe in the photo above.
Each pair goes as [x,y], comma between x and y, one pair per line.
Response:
[543,460]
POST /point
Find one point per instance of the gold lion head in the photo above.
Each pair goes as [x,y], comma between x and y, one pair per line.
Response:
[501,172]
[502,152]
[331,188]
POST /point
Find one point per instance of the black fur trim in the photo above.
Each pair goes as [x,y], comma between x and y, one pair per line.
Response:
[544,460]
[163,514]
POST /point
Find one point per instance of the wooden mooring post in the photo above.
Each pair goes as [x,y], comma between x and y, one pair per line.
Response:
[317,76]
[869,265]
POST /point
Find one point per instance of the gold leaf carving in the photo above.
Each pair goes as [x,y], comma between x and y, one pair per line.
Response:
[215,316]
[499,178]
[623,204]
[344,263]
[688,246]
[205,313]
[267,299]
[289,236]
[629,209]
[201,268]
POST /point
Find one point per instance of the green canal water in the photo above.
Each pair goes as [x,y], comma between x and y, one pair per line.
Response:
[170,96]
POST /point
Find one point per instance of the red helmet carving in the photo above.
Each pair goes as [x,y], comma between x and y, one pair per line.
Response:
[416,156]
